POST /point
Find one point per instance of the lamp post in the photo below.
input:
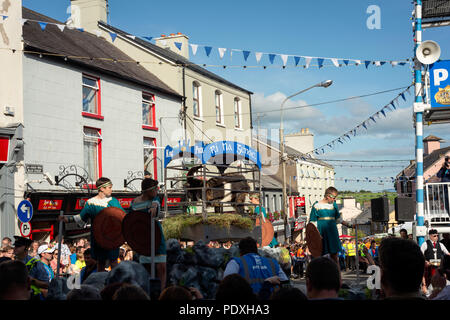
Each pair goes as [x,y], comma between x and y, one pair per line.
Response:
[324,84]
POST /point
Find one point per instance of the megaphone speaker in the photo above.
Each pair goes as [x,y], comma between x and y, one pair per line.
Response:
[428,52]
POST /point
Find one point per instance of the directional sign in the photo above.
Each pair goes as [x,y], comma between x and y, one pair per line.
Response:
[25,211]
[25,229]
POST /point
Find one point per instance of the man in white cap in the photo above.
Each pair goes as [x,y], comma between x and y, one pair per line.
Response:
[46,255]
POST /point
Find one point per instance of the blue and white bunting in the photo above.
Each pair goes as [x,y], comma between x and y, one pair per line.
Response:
[178,45]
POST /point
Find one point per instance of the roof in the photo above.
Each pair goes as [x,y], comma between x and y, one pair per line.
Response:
[428,161]
[72,42]
[292,152]
[175,57]
[432,138]
[268,182]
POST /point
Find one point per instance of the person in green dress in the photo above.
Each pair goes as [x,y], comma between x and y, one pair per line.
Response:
[91,209]
[325,215]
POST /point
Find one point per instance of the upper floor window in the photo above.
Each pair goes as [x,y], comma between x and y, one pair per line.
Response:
[196,99]
[219,107]
[91,96]
[92,143]
[237,113]
[150,156]
[148,111]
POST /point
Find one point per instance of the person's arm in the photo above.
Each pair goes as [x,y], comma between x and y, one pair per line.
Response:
[232,267]
[443,248]
[313,215]
[441,172]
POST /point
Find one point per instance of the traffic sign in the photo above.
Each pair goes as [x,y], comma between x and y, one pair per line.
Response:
[25,211]
[440,84]
[25,229]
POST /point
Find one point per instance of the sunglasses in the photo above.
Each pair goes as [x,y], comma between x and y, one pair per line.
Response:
[331,196]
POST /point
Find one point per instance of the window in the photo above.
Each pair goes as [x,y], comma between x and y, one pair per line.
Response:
[150,157]
[92,143]
[91,97]
[219,110]
[237,113]
[196,99]
[148,111]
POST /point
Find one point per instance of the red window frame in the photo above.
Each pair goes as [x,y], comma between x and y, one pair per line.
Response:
[99,155]
[4,148]
[155,157]
[97,115]
[152,112]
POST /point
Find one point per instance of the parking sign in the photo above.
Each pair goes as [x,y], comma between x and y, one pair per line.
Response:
[440,84]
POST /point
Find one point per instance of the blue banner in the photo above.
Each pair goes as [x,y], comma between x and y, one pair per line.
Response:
[440,84]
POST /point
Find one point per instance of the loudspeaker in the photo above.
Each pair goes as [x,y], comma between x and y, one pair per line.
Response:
[405,209]
[428,52]
[380,209]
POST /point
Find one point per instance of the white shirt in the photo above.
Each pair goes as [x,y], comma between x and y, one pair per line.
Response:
[424,247]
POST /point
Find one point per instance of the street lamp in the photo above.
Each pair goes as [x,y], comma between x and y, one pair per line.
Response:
[324,84]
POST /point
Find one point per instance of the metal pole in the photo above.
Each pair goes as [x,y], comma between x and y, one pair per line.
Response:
[419,122]
[357,252]
[58,262]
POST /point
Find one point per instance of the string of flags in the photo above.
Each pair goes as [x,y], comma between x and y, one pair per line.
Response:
[307,61]
[391,106]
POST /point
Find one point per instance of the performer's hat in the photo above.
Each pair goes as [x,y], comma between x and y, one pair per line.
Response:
[432,231]
[107,228]
[45,249]
[21,241]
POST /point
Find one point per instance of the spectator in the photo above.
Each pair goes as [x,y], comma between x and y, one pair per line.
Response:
[147,175]
[363,261]
[91,265]
[300,261]
[323,280]
[80,263]
[373,251]
[36,269]
[351,255]
[402,265]
[107,293]
[34,249]
[14,281]
[6,253]
[73,254]
[179,293]
[433,250]
[234,287]
[441,291]
[6,241]
[65,252]
[341,255]
[404,234]
[446,240]
[46,256]
[444,175]
[130,292]
[252,267]
[288,294]
[86,292]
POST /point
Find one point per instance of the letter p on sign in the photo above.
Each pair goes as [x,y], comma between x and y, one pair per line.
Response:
[440,75]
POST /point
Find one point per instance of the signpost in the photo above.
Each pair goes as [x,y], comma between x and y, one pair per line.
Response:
[25,211]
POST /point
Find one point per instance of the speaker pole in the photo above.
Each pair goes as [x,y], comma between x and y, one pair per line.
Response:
[419,121]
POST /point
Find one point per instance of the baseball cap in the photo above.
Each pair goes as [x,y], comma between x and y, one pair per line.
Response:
[45,249]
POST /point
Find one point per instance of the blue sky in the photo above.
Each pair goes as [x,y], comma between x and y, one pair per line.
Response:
[334,29]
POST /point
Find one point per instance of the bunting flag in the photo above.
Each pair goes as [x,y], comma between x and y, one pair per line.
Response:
[320,62]
[307,62]
[258,56]
[335,62]
[246,54]
[208,51]
[43,25]
[367,63]
[178,45]
[150,39]
[194,48]
[364,124]
[284,58]
[4,17]
[61,27]
[113,36]
[131,36]
[221,52]
[272,57]
[297,60]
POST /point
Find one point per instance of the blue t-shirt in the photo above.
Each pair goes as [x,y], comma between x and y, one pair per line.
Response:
[39,271]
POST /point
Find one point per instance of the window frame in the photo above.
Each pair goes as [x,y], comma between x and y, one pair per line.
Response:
[218,99]
[197,99]
[98,115]
[155,155]
[99,153]
[153,111]
[237,111]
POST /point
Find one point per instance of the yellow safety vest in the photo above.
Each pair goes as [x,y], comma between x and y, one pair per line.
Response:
[30,265]
[351,252]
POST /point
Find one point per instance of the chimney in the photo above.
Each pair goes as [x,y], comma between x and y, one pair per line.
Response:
[178,43]
[430,144]
[87,13]
[302,141]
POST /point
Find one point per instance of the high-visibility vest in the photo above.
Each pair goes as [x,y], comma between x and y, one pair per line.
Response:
[30,265]
[351,252]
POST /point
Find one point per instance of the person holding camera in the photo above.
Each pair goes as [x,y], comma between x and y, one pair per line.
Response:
[444,175]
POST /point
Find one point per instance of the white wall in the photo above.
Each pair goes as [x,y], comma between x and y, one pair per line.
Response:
[53,131]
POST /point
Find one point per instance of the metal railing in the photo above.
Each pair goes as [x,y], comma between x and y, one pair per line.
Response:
[437,200]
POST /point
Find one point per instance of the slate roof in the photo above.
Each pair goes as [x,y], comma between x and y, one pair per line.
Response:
[173,56]
[72,42]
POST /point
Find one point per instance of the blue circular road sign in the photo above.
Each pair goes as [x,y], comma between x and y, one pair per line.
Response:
[25,211]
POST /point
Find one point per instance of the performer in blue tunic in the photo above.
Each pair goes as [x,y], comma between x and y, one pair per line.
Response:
[91,209]
[325,215]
